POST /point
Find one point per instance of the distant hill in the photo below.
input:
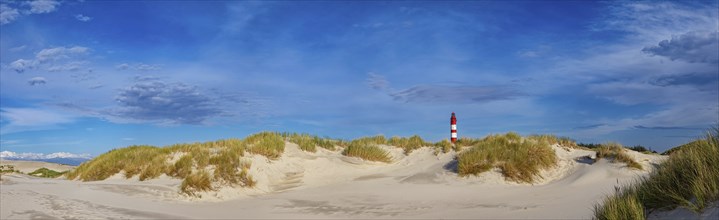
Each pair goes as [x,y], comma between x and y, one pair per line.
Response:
[59,158]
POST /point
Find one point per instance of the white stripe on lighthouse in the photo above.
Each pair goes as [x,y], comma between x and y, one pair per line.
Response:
[454,134]
[454,127]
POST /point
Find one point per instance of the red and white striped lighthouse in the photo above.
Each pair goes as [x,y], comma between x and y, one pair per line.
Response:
[453,126]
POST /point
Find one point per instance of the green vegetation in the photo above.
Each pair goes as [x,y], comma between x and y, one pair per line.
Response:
[190,162]
[689,178]
[46,173]
[444,145]
[615,151]
[268,144]
[196,182]
[310,142]
[366,148]
[8,169]
[407,144]
[552,139]
[519,159]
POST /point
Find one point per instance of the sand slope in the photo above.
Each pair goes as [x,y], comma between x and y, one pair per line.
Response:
[326,184]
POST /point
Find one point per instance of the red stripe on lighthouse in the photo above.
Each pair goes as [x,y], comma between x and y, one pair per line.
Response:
[453,127]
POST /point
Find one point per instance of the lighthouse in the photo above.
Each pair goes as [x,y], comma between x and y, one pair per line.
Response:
[453,127]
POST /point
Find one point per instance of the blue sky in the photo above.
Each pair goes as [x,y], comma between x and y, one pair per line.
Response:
[86,77]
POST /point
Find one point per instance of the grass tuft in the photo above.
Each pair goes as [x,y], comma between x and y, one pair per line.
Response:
[268,144]
[616,152]
[519,159]
[444,145]
[689,179]
[196,182]
[408,144]
[367,149]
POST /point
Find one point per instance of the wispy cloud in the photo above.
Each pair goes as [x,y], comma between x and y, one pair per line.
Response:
[8,14]
[54,59]
[454,94]
[82,18]
[42,6]
[138,66]
[31,119]
[693,47]
[11,11]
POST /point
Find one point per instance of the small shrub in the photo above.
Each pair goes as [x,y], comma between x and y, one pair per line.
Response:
[360,148]
[196,182]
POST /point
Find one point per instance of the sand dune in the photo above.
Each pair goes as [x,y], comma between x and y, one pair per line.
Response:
[326,184]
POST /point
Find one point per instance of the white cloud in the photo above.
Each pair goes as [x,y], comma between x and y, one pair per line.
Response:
[8,14]
[82,18]
[68,56]
[11,11]
[31,119]
[42,6]
[58,53]
[21,65]
[37,81]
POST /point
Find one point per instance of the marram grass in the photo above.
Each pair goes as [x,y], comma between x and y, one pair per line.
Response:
[519,159]
[616,153]
[689,179]
[366,149]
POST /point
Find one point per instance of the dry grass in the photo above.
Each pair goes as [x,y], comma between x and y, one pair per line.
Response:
[445,145]
[616,153]
[304,141]
[408,144]
[150,162]
[367,149]
[689,178]
[196,182]
[519,159]
[268,144]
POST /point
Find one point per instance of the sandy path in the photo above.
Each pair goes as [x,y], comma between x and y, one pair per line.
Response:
[323,185]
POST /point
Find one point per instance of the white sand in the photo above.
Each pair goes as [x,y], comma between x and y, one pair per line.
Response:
[326,184]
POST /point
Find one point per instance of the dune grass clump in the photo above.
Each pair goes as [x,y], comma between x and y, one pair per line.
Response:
[408,144]
[623,205]
[616,152]
[465,142]
[150,162]
[46,173]
[196,182]
[519,159]
[367,149]
[444,145]
[552,139]
[268,144]
[304,141]
[689,179]
[131,159]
